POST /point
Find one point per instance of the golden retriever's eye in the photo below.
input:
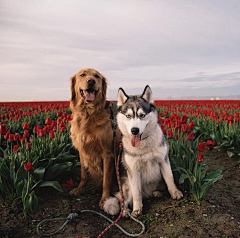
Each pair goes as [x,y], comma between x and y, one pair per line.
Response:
[96,76]
[82,75]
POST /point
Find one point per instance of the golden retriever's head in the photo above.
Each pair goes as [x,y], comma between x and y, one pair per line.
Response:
[88,87]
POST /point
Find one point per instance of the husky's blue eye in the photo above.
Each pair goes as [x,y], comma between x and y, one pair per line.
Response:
[128,116]
[141,115]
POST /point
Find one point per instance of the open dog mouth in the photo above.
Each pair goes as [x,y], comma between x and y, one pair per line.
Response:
[135,140]
[89,94]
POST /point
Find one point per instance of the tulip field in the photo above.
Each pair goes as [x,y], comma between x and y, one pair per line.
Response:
[36,150]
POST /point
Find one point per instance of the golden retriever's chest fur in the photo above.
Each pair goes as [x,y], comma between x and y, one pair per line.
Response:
[88,135]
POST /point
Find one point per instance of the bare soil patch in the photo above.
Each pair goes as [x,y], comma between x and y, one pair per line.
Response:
[217,216]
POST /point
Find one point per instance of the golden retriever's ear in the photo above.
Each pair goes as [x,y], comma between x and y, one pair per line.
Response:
[104,88]
[73,93]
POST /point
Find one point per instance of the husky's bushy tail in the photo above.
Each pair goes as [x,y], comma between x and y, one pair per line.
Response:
[112,206]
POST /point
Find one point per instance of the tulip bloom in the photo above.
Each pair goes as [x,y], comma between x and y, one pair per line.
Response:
[3,130]
[69,184]
[62,128]
[26,133]
[15,148]
[52,134]
[28,166]
[25,126]
[16,137]
[22,140]
[11,137]
[170,134]
[6,136]
[190,136]
[210,144]
[201,147]
[200,158]
[41,132]
[29,146]
[48,121]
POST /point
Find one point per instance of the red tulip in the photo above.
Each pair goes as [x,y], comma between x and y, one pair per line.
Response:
[28,166]
[69,184]
[59,113]
[2,130]
[25,126]
[36,128]
[210,144]
[62,128]
[52,134]
[185,128]
[200,158]
[6,136]
[29,146]
[11,137]
[26,133]
[15,148]
[22,140]
[170,134]
[41,132]
[16,137]
[201,147]
[190,136]
[48,121]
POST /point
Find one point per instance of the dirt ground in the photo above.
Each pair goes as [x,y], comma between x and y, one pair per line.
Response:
[217,216]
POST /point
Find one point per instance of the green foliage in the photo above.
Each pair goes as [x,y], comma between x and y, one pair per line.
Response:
[50,159]
[192,173]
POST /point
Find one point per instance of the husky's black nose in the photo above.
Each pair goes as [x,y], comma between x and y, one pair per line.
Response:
[135,130]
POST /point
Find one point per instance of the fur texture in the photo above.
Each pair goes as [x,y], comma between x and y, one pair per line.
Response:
[91,130]
[145,153]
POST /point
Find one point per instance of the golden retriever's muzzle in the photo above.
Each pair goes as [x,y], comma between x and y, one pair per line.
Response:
[90,93]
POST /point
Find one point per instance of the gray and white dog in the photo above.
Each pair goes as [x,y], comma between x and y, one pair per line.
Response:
[145,153]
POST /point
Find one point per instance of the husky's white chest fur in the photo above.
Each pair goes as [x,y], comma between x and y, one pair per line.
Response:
[145,153]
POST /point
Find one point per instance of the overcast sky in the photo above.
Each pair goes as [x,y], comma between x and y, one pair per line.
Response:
[178,47]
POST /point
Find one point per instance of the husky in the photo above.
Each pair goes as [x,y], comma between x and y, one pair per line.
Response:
[145,154]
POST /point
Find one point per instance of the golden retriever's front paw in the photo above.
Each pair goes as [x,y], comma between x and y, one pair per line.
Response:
[176,194]
[136,213]
[101,203]
[76,191]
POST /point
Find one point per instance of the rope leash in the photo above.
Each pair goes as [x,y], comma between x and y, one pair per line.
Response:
[113,223]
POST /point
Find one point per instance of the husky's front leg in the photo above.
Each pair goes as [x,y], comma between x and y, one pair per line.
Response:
[134,179]
[168,177]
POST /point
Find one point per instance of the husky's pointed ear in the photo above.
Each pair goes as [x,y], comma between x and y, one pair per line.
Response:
[147,95]
[122,97]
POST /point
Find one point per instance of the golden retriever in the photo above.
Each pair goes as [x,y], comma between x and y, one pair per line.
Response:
[91,130]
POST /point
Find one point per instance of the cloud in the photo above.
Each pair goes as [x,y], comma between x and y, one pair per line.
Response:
[133,43]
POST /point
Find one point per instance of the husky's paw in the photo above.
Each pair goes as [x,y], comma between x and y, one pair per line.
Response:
[111,206]
[125,212]
[157,194]
[136,213]
[176,194]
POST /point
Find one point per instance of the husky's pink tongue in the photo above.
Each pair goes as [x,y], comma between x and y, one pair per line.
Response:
[135,140]
[89,96]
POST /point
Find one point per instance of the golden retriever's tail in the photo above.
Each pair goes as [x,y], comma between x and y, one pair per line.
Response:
[111,206]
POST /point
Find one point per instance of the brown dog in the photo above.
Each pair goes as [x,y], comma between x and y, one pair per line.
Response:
[91,130]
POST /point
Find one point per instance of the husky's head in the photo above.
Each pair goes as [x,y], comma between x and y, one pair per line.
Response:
[136,114]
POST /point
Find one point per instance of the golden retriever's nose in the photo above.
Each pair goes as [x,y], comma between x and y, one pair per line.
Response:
[91,81]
